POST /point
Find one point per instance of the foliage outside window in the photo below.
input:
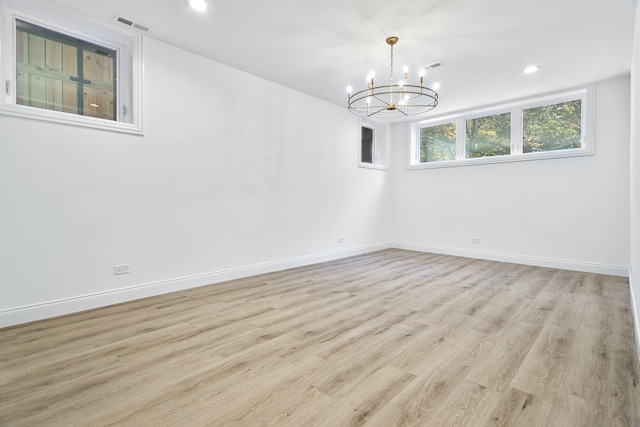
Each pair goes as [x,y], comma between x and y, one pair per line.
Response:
[438,143]
[488,136]
[553,126]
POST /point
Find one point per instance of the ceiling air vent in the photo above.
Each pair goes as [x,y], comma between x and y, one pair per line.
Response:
[132,24]
[430,66]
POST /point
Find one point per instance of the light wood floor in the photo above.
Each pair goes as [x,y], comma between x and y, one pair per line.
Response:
[385,339]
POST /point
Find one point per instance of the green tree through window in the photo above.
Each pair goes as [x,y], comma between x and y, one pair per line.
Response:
[438,143]
[489,136]
[549,126]
[552,127]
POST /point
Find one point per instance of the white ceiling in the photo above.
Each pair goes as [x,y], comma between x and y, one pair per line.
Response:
[321,47]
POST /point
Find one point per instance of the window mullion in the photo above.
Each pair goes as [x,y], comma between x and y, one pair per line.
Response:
[516,131]
[461,127]
[80,74]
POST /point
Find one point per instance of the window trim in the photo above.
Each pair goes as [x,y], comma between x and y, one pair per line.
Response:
[127,42]
[586,94]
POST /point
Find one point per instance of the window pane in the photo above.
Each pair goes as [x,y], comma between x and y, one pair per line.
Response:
[59,72]
[552,127]
[438,143]
[489,136]
[366,151]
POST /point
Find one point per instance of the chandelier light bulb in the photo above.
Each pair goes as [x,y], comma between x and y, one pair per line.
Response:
[405,69]
[436,86]
[421,74]
[401,83]
[370,76]
[349,90]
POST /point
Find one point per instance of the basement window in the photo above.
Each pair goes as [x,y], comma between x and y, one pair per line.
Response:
[488,136]
[367,148]
[62,73]
[372,147]
[69,69]
[438,142]
[551,126]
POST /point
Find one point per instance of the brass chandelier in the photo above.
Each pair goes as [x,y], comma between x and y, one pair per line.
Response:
[395,99]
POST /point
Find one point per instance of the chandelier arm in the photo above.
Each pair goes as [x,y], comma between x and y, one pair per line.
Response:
[382,100]
[376,112]
[367,109]
[433,100]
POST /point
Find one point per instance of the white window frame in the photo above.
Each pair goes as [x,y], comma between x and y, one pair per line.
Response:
[380,143]
[67,21]
[585,94]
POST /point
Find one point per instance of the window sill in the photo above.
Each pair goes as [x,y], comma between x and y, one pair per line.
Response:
[372,166]
[504,159]
[68,119]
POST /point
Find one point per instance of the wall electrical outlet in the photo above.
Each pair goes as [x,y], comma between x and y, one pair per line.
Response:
[475,240]
[121,269]
[340,239]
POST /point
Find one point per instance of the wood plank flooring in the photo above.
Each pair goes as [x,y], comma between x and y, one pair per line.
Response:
[391,338]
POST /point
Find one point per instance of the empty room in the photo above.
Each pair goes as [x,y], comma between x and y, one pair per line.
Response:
[333,213]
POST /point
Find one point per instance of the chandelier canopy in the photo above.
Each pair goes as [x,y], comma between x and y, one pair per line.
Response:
[395,99]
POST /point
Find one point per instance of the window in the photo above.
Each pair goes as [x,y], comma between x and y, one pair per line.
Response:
[488,136]
[62,73]
[69,69]
[438,143]
[372,146]
[366,144]
[552,127]
[545,127]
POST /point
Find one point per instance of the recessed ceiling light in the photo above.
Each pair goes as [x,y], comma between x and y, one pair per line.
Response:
[531,69]
[199,5]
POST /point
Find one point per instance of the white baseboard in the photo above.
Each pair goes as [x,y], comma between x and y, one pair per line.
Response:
[634,311]
[33,312]
[587,267]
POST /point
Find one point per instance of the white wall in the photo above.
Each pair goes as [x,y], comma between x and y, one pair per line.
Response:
[569,213]
[634,272]
[235,175]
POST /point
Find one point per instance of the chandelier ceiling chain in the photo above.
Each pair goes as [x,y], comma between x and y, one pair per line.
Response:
[391,70]
[392,100]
